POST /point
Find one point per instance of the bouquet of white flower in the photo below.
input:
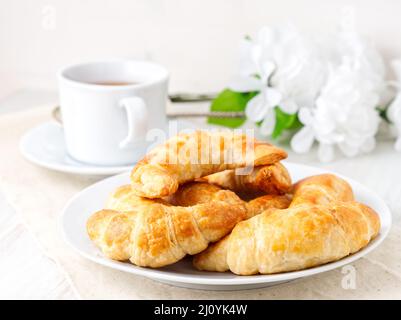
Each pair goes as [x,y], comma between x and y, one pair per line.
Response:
[323,90]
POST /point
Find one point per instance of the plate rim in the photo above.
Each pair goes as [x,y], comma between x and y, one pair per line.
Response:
[236,280]
[85,169]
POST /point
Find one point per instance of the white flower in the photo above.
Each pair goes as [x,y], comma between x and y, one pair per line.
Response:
[344,115]
[334,84]
[283,68]
[394,110]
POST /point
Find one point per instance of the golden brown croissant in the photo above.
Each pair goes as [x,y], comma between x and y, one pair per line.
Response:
[271,179]
[154,233]
[187,157]
[193,193]
[302,236]
[321,189]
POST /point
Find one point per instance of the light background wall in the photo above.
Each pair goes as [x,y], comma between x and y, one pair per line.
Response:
[196,40]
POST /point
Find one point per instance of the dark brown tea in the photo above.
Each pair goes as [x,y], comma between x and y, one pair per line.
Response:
[114,83]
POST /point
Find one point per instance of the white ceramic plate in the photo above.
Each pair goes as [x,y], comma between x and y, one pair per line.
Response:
[80,207]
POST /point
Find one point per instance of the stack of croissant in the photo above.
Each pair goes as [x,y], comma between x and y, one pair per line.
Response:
[250,222]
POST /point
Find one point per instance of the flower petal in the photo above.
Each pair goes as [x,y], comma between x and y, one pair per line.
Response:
[268,124]
[305,116]
[288,106]
[256,108]
[256,54]
[267,68]
[394,110]
[302,141]
[272,97]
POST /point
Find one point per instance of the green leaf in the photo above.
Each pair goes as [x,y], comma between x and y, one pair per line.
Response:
[285,121]
[229,100]
[383,112]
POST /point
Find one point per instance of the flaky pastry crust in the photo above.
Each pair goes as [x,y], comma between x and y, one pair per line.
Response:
[187,157]
[270,179]
[320,226]
[156,232]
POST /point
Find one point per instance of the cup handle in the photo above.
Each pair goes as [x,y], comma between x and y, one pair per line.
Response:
[137,116]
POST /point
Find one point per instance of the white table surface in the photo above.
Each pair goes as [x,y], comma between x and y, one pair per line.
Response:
[27,272]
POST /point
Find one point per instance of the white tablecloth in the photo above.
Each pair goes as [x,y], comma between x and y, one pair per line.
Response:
[33,269]
[26,272]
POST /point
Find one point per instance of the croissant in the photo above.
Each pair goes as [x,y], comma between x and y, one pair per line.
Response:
[321,189]
[197,192]
[187,157]
[155,233]
[271,179]
[303,236]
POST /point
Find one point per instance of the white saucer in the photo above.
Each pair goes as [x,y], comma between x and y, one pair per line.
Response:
[182,273]
[45,146]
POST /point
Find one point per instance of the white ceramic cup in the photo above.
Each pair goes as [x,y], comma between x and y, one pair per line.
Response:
[107,124]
